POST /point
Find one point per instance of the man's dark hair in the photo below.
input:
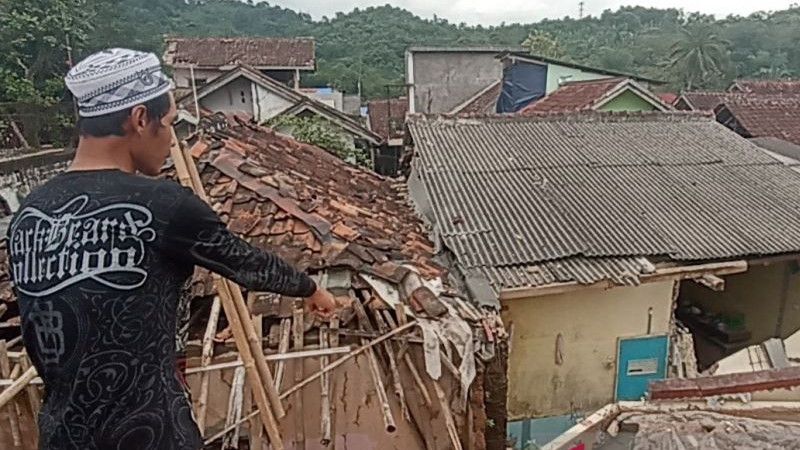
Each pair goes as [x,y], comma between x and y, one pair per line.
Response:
[111,124]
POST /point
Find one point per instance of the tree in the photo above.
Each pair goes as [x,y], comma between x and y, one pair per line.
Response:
[542,43]
[698,54]
[316,131]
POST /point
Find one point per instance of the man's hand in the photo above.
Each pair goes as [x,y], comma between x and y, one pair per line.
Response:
[322,303]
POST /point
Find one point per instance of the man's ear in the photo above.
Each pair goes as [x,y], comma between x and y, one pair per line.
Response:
[139,119]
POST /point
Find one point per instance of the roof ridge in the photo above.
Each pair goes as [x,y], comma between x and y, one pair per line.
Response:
[575,116]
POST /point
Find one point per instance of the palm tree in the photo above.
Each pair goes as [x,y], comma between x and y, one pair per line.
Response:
[698,54]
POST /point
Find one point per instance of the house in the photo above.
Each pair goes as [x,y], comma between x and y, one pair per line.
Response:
[441,78]
[387,118]
[703,101]
[590,229]
[359,237]
[245,90]
[709,100]
[762,115]
[604,94]
[527,78]
[205,59]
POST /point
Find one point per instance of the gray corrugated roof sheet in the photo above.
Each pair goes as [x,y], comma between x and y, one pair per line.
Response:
[592,193]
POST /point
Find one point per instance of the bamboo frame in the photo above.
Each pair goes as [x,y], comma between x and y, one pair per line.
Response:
[263,386]
[205,361]
[13,408]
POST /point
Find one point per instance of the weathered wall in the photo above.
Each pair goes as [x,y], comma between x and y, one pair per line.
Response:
[234,97]
[357,422]
[758,294]
[268,105]
[590,321]
[556,73]
[16,184]
[444,80]
[628,101]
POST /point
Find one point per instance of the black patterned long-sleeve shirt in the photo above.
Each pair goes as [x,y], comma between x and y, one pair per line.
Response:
[98,259]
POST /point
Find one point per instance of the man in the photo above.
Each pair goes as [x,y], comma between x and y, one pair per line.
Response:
[99,255]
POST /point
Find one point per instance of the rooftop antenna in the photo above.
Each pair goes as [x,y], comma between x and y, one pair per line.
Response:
[580,9]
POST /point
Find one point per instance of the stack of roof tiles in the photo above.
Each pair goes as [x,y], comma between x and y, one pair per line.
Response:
[587,197]
[277,53]
[310,207]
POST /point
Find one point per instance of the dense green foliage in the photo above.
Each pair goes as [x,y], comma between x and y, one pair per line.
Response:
[365,46]
[317,131]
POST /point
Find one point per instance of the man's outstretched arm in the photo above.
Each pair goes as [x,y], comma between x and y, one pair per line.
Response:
[197,235]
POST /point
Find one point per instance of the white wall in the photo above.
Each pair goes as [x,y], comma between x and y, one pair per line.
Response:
[268,105]
[234,97]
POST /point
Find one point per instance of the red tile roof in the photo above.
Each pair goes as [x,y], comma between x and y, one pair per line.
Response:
[308,206]
[767,86]
[388,115]
[764,115]
[705,101]
[484,102]
[575,96]
[261,53]
[668,97]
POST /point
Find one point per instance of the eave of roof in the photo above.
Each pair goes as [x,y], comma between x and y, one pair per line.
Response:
[537,59]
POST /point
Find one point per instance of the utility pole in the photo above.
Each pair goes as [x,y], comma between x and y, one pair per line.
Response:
[580,9]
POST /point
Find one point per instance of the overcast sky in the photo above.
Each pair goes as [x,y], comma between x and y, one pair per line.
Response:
[492,12]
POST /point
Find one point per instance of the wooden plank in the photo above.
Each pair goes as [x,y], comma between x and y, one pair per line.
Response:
[396,382]
[256,431]
[33,392]
[452,431]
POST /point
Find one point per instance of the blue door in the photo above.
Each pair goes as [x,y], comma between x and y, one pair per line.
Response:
[640,360]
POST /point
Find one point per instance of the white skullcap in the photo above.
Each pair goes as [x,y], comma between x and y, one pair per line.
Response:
[116,79]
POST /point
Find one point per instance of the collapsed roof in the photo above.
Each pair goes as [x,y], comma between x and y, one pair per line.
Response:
[531,201]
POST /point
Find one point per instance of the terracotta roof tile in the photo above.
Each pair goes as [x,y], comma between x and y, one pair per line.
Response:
[706,101]
[484,102]
[767,86]
[759,115]
[264,52]
[308,206]
[388,116]
[576,96]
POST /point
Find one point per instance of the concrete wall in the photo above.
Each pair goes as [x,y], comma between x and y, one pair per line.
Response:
[236,96]
[444,80]
[556,73]
[628,101]
[757,294]
[268,105]
[589,321]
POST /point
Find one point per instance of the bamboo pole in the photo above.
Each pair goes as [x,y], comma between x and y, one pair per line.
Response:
[412,367]
[325,399]
[18,385]
[256,431]
[33,392]
[205,361]
[452,431]
[254,378]
[327,369]
[235,399]
[283,347]
[13,409]
[386,410]
[298,330]
[188,175]
[398,386]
